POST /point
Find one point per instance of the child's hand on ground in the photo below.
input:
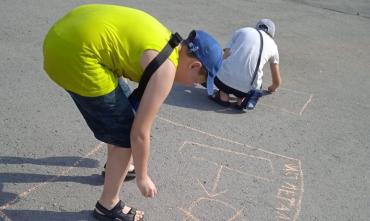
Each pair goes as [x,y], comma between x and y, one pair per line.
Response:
[272,88]
[146,186]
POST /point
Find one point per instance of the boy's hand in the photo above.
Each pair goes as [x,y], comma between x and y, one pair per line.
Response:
[146,186]
[272,88]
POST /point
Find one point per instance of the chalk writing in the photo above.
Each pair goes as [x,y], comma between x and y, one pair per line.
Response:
[288,195]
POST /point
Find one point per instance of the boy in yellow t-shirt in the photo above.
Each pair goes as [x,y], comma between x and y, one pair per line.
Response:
[88,50]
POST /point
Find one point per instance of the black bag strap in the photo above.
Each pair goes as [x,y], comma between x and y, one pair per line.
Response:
[174,41]
[250,93]
[259,58]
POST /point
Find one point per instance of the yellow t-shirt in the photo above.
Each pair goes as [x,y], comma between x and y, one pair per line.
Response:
[87,49]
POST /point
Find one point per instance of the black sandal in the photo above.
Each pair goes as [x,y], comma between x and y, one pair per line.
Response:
[115,214]
[239,106]
[216,98]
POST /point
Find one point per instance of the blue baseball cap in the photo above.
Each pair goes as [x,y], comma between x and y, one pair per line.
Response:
[208,51]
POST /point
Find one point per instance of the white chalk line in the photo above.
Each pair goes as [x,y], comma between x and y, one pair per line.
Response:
[232,169]
[280,109]
[295,91]
[232,152]
[188,213]
[305,105]
[288,111]
[222,138]
[299,204]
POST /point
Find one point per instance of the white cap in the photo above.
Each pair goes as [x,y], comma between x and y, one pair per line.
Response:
[266,25]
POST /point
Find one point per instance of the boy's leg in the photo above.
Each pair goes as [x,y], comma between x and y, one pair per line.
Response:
[123,83]
[116,170]
[126,89]
[131,167]
[130,172]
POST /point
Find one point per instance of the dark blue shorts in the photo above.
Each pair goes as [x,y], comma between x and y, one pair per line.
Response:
[110,116]
[229,90]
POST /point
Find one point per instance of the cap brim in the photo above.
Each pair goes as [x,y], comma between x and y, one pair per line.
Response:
[210,85]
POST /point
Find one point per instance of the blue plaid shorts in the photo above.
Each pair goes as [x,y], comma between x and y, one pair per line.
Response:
[110,116]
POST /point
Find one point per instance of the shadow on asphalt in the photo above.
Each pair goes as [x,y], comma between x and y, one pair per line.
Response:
[51,161]
[94,179]
[41,215]
[196,98]
[5,197]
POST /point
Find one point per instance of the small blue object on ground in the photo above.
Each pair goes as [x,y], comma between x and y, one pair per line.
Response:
[252,99]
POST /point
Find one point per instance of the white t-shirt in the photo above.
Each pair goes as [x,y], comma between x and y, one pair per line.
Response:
[238,69]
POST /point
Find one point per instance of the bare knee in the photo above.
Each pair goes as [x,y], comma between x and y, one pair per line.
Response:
[118,152]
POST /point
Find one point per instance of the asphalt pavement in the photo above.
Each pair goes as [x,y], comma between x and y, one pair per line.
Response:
[302,154]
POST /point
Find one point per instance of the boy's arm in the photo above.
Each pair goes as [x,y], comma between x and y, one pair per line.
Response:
[276,79]
[155,93]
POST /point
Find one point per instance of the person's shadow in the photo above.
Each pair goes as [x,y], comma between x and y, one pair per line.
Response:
[5,197]
[50,161]
[41,215]
[93,180]
[11,177]
[65,161]
[197,98]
